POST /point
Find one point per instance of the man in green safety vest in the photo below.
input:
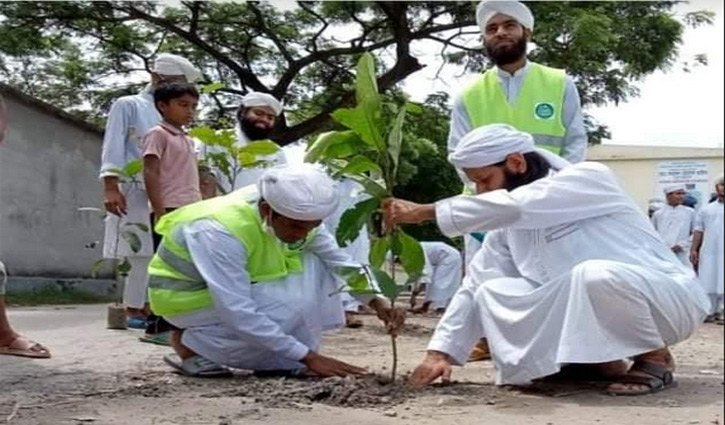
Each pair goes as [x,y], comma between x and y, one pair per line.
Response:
[533,98]
[249,285]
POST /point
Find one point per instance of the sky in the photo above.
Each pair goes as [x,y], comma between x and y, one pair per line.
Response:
[674,108]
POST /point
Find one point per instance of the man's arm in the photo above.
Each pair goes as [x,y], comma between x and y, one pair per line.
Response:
[576,141]
[697,237]
[113,156]
[460,126]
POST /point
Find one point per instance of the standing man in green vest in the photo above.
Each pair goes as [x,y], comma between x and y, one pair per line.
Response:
[250,286]
[533,98]
[530,97]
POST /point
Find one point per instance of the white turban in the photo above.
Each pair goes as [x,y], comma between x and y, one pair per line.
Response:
[675,187]
[168,64]
[517,10]
[300,192]
[262,99]
[491,144]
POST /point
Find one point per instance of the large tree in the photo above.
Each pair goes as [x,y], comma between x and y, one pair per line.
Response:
[75,54]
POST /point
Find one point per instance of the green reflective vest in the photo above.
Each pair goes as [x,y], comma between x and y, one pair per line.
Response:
[537,110]
[176,286]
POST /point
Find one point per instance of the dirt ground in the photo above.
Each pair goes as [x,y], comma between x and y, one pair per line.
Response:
[98,376]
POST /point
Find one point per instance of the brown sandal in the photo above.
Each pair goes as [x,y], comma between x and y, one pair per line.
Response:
[659,379]
[24,347]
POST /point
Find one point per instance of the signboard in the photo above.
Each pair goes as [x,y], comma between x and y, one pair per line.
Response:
[693,174]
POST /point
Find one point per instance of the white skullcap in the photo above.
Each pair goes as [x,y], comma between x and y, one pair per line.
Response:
[300,192]
[262,99]
[168,64]
[517,10]
[489,145]
[675,187]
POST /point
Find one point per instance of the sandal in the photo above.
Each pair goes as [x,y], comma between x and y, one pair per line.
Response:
[197,366]
[161,338]
[659,379]
[24,347]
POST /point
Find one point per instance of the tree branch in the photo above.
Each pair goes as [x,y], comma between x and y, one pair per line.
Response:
[267,31]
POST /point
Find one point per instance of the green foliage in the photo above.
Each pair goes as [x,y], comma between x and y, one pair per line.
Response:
[353,220]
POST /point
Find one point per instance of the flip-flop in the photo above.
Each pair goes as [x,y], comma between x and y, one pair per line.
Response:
[481,352]
[24,347]
[196,366]
[161,338]
[136,323]
[659,379]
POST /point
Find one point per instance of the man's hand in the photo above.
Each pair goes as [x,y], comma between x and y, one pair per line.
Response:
[158,214]
[677,249]
[327,366]
[694,258]
[113,199]
[394,318]
[398,211]
[436,365]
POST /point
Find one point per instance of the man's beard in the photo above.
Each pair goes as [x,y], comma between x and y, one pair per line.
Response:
[253,132]
[508,54]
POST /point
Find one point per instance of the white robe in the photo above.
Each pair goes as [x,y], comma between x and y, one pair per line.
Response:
[710,221]
[571,272]
[130,118]
[349,194]
[262,326]
[247,176]
[674,224]
[442,273]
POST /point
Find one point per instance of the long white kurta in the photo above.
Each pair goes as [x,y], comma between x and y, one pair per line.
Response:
[675,224]
[262,326]
[128,121]
[710,221]
[349,194]
[442,273]
[572,272]
[247,176]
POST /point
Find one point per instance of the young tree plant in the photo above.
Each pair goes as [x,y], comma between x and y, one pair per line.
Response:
[368,152]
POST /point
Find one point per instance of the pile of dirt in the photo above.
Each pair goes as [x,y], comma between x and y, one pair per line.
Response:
[364,392]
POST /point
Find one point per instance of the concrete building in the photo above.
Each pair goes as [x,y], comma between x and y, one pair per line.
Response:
[643,170]
[48,169]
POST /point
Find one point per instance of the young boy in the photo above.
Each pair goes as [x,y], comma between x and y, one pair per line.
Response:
[170,169]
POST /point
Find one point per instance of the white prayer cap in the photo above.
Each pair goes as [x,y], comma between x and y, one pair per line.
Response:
[489,145]
[517,10]
[301,191]
[675,187]
[262,99]
[168,64]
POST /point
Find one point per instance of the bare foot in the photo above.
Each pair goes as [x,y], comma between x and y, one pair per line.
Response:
[661,358]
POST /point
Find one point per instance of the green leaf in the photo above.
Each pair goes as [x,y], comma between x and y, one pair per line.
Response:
[411,254]
[366,88]
[132,168]
[209,136]
[414,108]
[134,242]
[247,159]
[359,284]
[395,139]
[346,272]
[379,251]
[363,120]
[98,265]
[333,145]
[260,147]
[359,165]
[388,287]
[372,187]
[212,88]
[353,220]
[124,267]
[141,226]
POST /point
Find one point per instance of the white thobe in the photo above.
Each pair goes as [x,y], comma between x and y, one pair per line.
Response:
[710,221]
[247,176]
[442,273]
[574,143]
[130,118]
[266,325]
[571,272]
[349,194]
[674,224]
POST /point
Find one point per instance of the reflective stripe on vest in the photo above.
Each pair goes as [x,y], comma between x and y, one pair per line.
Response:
[537,110]
[187,268]
[158,282]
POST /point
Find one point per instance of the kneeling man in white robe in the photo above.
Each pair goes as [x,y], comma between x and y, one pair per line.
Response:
[571,272]
[441,277]
[248,285]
